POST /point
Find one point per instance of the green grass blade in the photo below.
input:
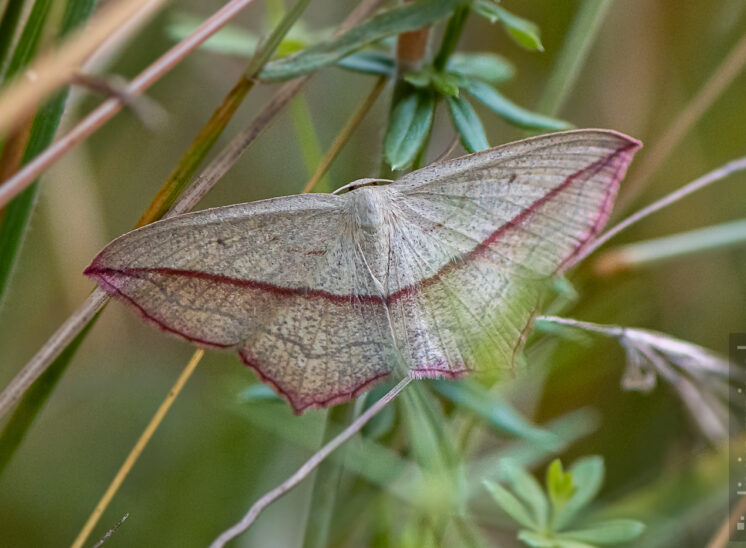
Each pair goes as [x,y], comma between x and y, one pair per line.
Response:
[16,215]
[574,52]
[8,26]
[33,401]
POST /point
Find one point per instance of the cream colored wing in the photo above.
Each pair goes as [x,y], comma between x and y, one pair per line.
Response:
[476,237]
[276,280]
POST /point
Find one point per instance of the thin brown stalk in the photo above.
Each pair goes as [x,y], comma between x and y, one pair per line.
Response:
[28,174]
[13,149]
[138,448]
[51,349]
[706,180]
[344,135]
[58,66]
[721,78]
[309,466]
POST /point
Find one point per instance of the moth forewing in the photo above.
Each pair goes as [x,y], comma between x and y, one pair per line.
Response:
[317,293]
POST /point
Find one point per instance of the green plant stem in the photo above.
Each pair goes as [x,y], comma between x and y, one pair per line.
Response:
[327,481]
[308,139]
[344,135]
[33,401]
[309,466]
[574,53]
[179,178]
[451,37]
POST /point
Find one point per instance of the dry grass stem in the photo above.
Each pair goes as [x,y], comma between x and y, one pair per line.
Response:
[344,134]
[721,78]
[137,449]
[706,180]
[57,66]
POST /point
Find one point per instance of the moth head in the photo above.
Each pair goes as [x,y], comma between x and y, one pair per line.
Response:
[369,208]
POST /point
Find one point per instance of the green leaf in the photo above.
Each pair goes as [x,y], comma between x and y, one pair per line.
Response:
[489,67]
[257,393]
[607,532]
[420,78]
[369,62]
[524,32]
[468,124]
[510,504]
[235,40]
[588,475]
[510,112]
[15,218]
[496,411]
[403,18]
[230,40]
[559,484]
[409,127]
[447,83]
[526,487]
[384,421]
[537,540]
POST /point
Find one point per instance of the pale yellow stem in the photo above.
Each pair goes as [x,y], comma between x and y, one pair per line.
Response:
[138,448]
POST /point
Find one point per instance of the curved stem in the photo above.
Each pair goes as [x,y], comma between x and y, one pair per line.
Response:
[308,467]
[707,179]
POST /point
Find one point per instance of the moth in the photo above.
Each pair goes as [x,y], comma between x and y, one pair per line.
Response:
[435,275]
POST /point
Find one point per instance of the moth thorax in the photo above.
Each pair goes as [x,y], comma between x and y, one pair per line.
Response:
[369,208]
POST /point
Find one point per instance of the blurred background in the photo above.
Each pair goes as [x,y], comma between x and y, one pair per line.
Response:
[216,451]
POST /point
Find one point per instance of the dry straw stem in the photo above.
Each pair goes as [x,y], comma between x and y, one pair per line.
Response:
[707,179]
[28,174]
[344,135]
[58,66]
[309,466]
[138,448]
[721,78]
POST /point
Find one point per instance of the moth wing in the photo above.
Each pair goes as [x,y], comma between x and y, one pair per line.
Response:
[477,238]
[276,280]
